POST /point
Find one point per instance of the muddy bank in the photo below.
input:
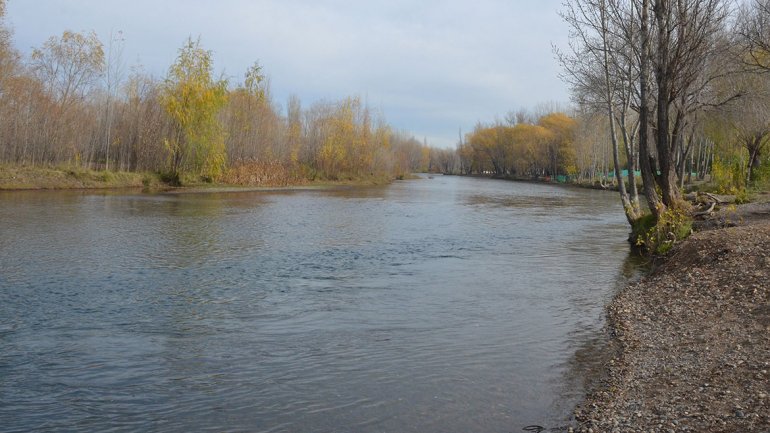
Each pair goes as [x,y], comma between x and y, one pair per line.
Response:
[691,341]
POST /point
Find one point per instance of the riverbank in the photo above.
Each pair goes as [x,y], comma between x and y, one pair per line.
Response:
[691,341]
[22,177]
[13,177]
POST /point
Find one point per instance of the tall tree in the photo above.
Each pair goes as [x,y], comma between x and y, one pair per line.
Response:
[686,40]
[113,76]
[753,29]
[193,99]
[69,68]
[749,118]
[69,65]
[672,49]
[601,71]
[645,152]
[9,58]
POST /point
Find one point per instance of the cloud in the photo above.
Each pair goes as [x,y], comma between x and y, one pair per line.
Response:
[431,66]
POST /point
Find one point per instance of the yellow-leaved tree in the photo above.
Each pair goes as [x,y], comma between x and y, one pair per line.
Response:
[193,99]
[561,151]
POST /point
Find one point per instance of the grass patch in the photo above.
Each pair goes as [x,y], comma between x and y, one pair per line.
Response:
[276,174]
[42,177]
[17,177]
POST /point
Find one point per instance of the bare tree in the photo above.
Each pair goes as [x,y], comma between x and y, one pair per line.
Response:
[113,77]
[69,65]
[686,40]
[753,29]
[659,58]
[645,161]
[749,118]
[602,75]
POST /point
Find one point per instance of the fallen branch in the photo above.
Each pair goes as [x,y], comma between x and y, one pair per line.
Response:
[720,199]
[707,211]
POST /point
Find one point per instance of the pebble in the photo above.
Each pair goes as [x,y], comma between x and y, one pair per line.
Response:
[689,348]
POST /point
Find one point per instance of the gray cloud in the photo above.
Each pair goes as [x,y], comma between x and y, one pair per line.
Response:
[431,66]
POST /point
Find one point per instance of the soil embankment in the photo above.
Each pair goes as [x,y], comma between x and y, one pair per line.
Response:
[692,339]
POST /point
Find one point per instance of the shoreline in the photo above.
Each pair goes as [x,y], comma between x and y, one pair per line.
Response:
[609,188]
[690,342]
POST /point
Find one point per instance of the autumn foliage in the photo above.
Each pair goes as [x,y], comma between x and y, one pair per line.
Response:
[61,106]
[522,150]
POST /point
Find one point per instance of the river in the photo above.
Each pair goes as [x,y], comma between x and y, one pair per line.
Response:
[437,305]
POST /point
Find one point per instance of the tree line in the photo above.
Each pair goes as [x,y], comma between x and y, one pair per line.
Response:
[664,92]
[74,102]
[569,144]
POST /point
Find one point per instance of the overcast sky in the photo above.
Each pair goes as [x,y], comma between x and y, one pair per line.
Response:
[432,67]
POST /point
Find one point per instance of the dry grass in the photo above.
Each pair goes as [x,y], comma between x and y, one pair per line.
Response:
[267,174]
[253,174]
[32,177]
[275,174]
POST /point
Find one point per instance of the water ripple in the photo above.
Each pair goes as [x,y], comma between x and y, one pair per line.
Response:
[454,305]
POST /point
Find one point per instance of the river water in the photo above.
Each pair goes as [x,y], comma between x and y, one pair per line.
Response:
[436,305]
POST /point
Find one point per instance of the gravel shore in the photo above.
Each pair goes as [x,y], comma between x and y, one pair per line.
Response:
[691,341]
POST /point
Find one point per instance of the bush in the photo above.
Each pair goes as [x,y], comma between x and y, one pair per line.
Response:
[742,196]
[171,178]
[673,226]
[760,176]
[728,175]
[106,176]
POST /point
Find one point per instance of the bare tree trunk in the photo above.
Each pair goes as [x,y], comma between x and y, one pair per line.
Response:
[663,76]
[691,165]
[630,211]
[628,141]
[754,160]
[648,178]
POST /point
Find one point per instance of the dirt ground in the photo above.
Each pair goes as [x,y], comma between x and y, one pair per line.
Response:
[691,341]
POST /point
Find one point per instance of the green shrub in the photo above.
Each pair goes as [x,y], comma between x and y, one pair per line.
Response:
[742,196]
[728,175]
[673,226]
[171,178]
[760,176]
[106,176]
